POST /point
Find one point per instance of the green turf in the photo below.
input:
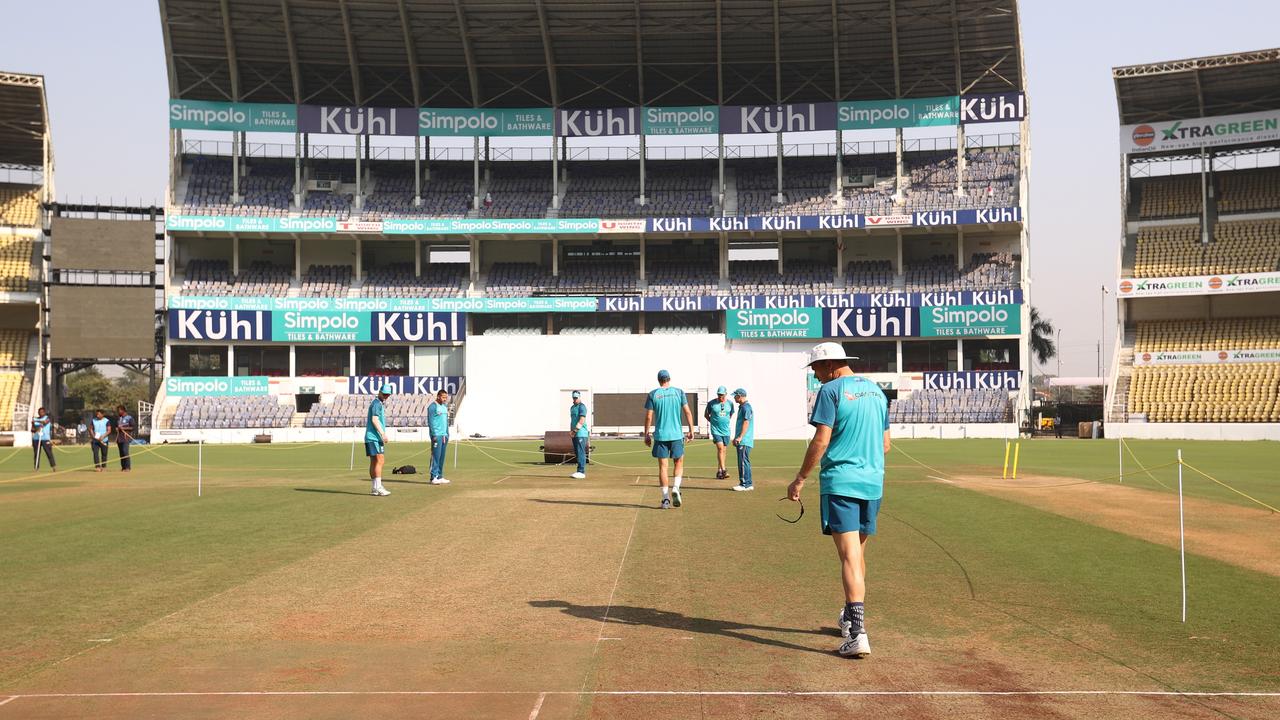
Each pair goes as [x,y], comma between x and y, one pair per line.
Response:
[86,555]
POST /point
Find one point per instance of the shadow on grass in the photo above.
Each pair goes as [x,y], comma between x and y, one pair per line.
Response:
[653,617]
[330,492]
[594,504]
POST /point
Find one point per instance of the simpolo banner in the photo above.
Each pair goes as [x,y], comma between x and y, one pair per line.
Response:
[1200,132]
[495,122]
[217,386]
[320,327]
[970,320]
[240,117]
[904,113]
[692,120]
[801,323]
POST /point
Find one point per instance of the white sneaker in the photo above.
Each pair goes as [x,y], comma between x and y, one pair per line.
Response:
[579,476]
[744,488]
[439,481]
[380,492]
[856,646]
[845,626]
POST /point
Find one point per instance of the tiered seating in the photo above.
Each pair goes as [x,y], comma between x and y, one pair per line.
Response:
[10,384]
[762,277]
[517,279]
[259,411]
[679,189]
[951,406]
[263,279]
[19,205]
[207,278]
[937,273]
[519,190]
[351,411]
[266,186]
[1170,197]
[571,329]
[15,264]
[500,331]
[1245,246]
[326,281]
[14,345]
[602,189]
[679,279]
[439,280]
[869,276]
[447,194]
[806,186]
[596,277]
[1238,393]
[1168,250]
[990,271]
[1251,333]
[878,198]
[1249,190]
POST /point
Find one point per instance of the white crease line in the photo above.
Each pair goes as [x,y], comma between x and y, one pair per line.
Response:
[537,707]
[101,640]
[935,477]
[504,477]
[8,700]
[639,693]
[618,578]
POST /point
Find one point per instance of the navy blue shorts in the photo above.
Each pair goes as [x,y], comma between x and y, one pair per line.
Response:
[673,449]
[841,514]
[373,447]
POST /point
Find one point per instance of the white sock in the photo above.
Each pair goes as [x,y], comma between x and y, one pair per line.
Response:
[665,491]
[676,481]
[374,484]
[377,482]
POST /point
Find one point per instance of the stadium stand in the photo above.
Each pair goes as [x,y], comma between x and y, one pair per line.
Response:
[326,281]
[985,271]
[1167,250]
[680,189]
[19,205]
[1251,333]
[1236,393]
[10,385]
[761,277]
[211,278]
[438,280]
[518,190]
[1244,246]
[601,189]
[1170,197]
[596,277]
[1249,190]
[350,411]
[869,276]
[266,186]
[951,406]
[517,279]
[447,194]
[231,412]
[16,264]
[682,270]
[14,348]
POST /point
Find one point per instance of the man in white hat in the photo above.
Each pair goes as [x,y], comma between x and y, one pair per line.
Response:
[375,437]
[850,439]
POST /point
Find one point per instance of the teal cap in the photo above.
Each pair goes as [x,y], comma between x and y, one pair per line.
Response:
[722,390]
[663,375]
[387,389]
[740,393]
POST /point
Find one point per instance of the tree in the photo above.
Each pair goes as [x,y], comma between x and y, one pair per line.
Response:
[1042,345]
[101,393]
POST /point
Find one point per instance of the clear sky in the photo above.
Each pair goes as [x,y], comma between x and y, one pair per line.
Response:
[103,64]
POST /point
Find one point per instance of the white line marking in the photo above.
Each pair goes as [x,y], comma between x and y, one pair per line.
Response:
[504,477]
[935,477]
[101,640]
[605,638]
[641,693]
[8,700]
[537,707]
[617,578]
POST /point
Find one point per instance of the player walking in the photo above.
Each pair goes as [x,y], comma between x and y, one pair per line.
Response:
[663,411]
[375,438]
[851,436]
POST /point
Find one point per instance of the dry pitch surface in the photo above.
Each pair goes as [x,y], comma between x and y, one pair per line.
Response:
[516,592]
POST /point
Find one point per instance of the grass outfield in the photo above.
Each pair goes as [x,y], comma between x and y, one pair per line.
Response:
[516,592]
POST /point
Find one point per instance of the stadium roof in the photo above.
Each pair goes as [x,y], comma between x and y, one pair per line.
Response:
[23,120]
[1199,87]
[587,53]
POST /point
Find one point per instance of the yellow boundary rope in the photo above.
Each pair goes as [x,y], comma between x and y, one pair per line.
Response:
[1143,468]
[1254,499]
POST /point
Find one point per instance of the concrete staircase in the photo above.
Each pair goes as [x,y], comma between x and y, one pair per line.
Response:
[1119,410]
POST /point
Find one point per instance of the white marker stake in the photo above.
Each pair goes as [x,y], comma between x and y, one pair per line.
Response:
[352,464]
[200,469]
[455,456]
[1120,454]
[1182,540]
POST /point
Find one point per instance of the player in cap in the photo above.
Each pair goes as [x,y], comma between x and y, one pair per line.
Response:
[664,408]
[579,431]
[375,437]
[719,414]
[851,436]
[438,426]
[744,438]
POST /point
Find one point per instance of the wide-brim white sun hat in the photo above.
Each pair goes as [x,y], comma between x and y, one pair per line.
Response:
[827,351]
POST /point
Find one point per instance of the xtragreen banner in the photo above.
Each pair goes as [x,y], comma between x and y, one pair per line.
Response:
[487,123]
[970,320]
[249,117]
[904,113]
[690,120]
[802,323]
[216,386]
[309,326]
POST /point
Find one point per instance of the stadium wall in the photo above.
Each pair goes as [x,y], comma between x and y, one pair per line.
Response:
[1194,431]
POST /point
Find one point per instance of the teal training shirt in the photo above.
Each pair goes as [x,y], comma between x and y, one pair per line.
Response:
[720,414]
[438,419]
[745,413]
[376,410]
[856,411]
[578,411]
[666,404]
